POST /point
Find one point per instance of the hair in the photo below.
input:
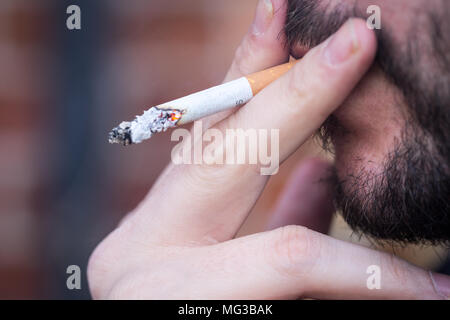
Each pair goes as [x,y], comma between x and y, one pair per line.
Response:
[409,200]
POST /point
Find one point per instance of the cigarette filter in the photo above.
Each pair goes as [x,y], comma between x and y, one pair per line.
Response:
[195,106]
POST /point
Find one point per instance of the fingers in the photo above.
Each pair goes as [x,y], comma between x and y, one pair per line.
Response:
[294,262]
[298,102]
[441,284]
[207,203]
[263,45]
[261,48]
[307,199]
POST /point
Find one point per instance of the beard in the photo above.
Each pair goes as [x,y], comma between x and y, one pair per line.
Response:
[407,201]
[408,198]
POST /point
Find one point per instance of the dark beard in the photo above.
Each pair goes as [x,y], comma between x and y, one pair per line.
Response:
[409,201]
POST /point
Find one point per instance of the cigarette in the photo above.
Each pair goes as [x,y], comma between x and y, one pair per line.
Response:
[195,106]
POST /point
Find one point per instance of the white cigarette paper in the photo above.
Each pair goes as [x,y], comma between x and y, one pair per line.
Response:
[204,103]
[195,106]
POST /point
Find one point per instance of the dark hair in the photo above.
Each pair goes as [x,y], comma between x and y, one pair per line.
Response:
[410,199]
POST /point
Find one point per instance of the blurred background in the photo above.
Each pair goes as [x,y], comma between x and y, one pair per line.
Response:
[63,187]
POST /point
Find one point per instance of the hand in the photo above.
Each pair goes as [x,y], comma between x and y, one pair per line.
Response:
[179,243]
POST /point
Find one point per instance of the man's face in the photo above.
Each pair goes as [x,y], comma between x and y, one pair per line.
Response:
[391,137]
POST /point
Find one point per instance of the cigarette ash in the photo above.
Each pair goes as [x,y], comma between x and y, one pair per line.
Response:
[152,121]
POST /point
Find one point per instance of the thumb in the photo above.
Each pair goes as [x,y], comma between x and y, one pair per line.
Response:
[293,262]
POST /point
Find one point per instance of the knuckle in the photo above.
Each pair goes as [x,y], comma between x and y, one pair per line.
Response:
[305,83]
[206,179]
[220,165]
[243,55]
[306,79]
[296,83]
[294,250]
[96,268]
[103,267]
[311,70]
[130,286]
[297,89]
[393,266]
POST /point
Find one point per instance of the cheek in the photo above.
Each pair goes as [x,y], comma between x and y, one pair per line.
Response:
[371,121]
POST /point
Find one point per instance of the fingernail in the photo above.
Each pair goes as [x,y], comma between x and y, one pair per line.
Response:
[342,44]
[263,17]
[441,284]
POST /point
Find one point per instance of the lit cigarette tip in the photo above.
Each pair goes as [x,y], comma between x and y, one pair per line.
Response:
[152,121]
[121,134]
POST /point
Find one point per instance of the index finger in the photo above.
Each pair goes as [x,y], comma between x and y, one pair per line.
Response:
[220,197]
[301,100]
[262,47]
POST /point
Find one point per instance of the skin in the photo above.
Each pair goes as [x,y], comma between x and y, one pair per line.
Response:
[373,116]
[166,249]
